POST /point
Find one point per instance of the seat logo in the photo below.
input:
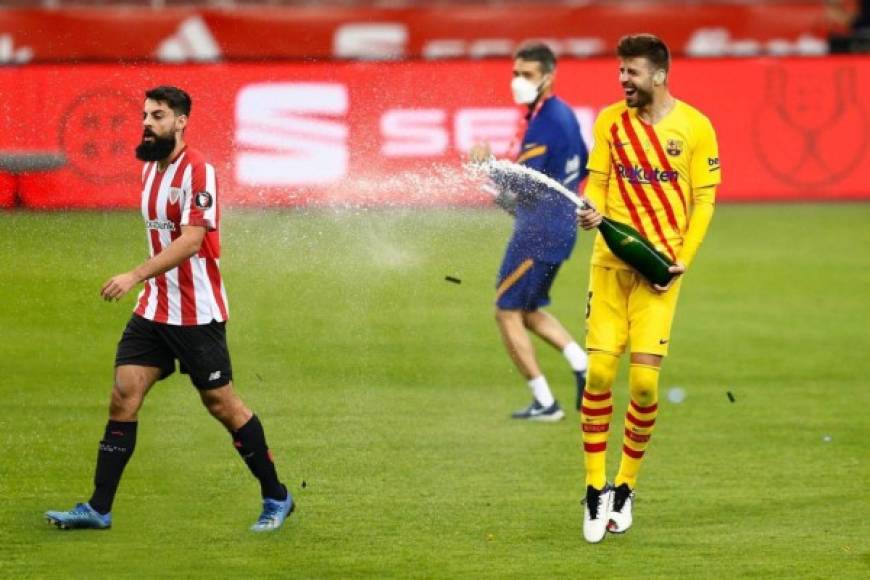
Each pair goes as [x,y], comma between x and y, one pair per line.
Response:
[291,134]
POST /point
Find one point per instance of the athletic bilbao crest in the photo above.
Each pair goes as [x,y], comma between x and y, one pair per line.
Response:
[674,147]
[291,134]
[812,129]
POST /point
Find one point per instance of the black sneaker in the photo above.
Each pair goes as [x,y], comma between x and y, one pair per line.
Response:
[595,513]
[620,511]
[537,412]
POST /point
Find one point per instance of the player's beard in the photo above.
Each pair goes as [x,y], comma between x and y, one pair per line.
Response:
[159,148]
[640,98]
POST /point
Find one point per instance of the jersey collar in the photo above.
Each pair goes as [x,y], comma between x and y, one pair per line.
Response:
[174,159]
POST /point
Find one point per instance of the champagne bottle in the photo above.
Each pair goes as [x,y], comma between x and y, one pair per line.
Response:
[635,250]
[623,240]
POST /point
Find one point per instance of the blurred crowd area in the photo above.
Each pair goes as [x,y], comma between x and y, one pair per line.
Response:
[841,14]
[227,30]
[846,6]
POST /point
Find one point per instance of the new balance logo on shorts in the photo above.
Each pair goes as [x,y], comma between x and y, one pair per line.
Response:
[214,376]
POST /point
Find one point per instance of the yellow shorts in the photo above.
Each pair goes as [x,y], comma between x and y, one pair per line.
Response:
[622,307]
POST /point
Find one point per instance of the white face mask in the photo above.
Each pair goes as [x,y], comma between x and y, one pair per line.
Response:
[525,91]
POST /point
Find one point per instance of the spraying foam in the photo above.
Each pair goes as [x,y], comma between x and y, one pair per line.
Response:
[480,170]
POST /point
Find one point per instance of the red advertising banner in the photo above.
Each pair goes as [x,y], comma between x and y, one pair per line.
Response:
[367,32]
[289,134]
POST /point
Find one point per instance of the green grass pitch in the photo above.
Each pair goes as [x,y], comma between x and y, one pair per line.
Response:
[386,390]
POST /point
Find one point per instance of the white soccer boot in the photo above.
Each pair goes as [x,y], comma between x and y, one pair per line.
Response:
[621,499]
[596,511]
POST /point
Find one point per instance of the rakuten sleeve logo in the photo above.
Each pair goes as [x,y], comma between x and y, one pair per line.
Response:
[291,134]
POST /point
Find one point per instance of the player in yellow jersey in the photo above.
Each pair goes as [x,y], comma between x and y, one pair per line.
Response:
[655,166]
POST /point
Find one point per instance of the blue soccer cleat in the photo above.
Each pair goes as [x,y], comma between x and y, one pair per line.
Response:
[83,516]
[274,513]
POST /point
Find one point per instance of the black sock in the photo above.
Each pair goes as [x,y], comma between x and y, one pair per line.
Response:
[250,442]
[116,448]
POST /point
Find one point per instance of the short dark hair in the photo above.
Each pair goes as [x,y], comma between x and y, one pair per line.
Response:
[177,99]
[539,52]
[647,45]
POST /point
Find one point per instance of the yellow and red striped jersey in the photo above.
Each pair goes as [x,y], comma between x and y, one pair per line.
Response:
[653,171]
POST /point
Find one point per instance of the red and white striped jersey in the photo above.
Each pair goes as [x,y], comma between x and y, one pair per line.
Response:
[185,193]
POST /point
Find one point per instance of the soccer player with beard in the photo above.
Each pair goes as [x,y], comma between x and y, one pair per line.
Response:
[654,166]
[181,314]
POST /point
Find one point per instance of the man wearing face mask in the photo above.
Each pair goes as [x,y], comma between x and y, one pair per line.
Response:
[544,229]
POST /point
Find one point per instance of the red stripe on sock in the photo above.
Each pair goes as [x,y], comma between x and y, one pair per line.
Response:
[644,410]
[637,437]
[637,422]
[596,398]
[594,447]
[596,412]
[631,452]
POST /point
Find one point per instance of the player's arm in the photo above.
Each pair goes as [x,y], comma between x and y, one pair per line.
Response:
[699,222]
[596,193]
[182,248]
[599,175]
[705,175]
[702,213]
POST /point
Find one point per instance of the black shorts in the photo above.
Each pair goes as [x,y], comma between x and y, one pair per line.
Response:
[201,350]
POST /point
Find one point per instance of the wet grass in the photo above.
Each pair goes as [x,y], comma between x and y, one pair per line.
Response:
[384,388]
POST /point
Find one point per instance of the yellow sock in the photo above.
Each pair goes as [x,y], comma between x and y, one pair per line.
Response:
[595,414]
[640,419]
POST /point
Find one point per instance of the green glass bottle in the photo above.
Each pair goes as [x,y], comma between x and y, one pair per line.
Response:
[636,251]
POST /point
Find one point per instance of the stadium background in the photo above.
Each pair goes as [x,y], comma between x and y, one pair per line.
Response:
[338,129]
[290,115]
